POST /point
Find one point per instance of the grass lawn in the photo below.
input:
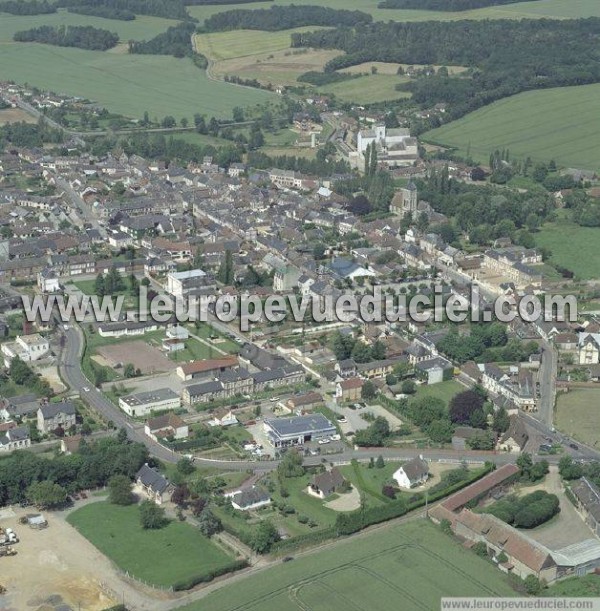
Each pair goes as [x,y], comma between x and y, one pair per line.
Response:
[588,585]
[194,351]
[116,531]
[370,481]
[443,390]
[413,562]
[532,124]
[205,331]
[572,246]
[578,414]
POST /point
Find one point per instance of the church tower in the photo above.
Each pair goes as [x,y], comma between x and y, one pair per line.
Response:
[410,200]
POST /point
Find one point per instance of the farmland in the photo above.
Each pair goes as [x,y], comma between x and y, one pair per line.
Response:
[123,83]
[117,533]
[572,246]
[578,414]
[362,573]
[367,89]
[532,124]
[556,9]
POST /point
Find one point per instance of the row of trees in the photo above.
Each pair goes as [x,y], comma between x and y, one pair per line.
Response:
[177,41]
[93,466]
[346,347]
[506,56]
[103,11]
[442,5]
[27,7]
[29,135]
[82,37]
[285,17]
[169,9]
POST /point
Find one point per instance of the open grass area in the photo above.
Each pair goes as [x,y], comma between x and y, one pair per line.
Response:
[578,414]
[557,9]
[116,531]
[370,481]
[367,89]
[572,246]
[408,566]
[443,390]
[533,124]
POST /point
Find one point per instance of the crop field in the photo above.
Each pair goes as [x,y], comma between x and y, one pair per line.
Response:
[367,89]
[116,531]
[572,246]
[408,566]
[561,124]
[556,9]
[578,414]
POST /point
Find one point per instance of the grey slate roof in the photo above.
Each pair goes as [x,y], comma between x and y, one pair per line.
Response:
[152,479]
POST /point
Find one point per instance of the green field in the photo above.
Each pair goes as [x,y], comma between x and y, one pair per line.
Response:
[367,89]
[561,124]
[572,246]
[409,566]
[558,9]
[578,415]
[116,531]
[444,390]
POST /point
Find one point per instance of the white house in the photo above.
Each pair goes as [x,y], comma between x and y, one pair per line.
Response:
[226,419]
[589,348]
[413,473]
[47,281]
[178,283]
[167,425]
[27,347]
[249,498]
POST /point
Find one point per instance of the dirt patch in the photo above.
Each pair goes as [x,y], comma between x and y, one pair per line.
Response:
[141,355]
[349,501]
[14,115]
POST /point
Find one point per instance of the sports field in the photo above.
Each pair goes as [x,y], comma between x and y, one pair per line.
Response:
[558,9]
[578,415]
[561,124]
[572,246]
[116,531]
[409,566]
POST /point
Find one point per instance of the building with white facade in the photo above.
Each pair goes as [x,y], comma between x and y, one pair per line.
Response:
[26,347]
[395,147]
[144,403]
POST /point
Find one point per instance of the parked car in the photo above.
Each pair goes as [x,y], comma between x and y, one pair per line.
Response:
[324,441]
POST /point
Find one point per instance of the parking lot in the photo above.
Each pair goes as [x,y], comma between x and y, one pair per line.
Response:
[356,422]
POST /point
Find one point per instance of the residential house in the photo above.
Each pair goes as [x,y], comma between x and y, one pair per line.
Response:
[349,389]
[152,484]
[169,426]
[250,499]
[223,418]
[515,437]
[412,473]
[26,347]
[52,416]
[16,438]
[324,484]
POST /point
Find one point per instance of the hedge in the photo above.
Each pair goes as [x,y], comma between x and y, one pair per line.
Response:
[317,536]
[188,584]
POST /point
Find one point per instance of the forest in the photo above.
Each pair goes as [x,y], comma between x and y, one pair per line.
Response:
[28,7]
[285,17]
[442,5]
[82,37]
[177,41]
[102,11]
[168,9]
[505,56]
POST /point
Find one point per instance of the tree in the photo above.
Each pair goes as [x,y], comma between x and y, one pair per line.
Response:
[368,390]
[225,273]
[440,430]
[46,494]
[291,465]
[168,122]
[463,405]
[198,506]
[380,463]
[525,464]
[263,537]
[533,586]
[185,466]
[129,370]
[238,114]
[501,421]
[569,469]
[183,122]
[375,435]
[99,286]
[408,387]
[209,524]
[180,495]
[119,490]
[152,516]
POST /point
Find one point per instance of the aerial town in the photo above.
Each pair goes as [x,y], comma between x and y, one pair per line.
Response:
[154,461]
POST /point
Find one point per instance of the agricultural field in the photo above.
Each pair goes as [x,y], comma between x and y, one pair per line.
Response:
[124,84]
[14,115]
[572,246]
[363,573]
[117,533]
[555,9]
[367,89]
[578,415]
[532,124]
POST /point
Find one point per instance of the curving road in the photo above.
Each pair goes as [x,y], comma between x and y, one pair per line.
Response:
[73,375]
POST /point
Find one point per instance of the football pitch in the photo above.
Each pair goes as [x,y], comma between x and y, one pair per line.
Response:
[408,567]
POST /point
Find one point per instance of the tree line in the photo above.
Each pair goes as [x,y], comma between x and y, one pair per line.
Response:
[103,11]
[317,167]
[177,41]
[442,5]
[506,56]
[168,9]
[29,7]
[28,135]
[82,37]
[285,17]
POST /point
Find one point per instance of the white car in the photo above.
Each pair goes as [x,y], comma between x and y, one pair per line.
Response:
[274,399]
[324,441]
[86,389]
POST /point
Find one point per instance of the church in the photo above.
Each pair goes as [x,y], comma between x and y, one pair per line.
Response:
[395,147]
[406,201]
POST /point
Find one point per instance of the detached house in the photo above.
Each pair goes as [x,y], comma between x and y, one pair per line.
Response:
[250,498]
[54,415]
[326,483]
[152,484]
[166,425]
[349,390]
[413,473]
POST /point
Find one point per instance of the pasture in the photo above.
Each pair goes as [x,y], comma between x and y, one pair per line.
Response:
[553,9]
[116,531]
[561,124]
[578,415]
[572,246]
[367,89]
[409,566]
